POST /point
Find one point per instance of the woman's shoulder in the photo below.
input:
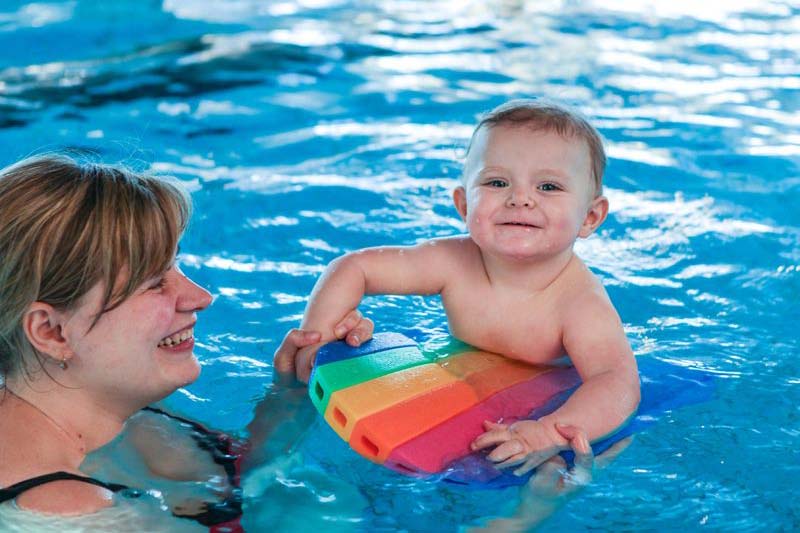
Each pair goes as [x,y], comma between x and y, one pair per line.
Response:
[34,468]
[65,497]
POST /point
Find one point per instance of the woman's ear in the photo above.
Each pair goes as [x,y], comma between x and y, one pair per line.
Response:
[460,201]
[42,324]
[598,211]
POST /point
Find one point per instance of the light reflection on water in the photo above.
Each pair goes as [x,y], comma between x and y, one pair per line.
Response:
[305,129]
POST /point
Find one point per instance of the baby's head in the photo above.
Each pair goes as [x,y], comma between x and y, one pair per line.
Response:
[532,180]
[545,116]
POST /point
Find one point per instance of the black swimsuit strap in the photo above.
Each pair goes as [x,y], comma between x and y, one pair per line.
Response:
[216,443]
[9,493]
[221,448]
[195,425]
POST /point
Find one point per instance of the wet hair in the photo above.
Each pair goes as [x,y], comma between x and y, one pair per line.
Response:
[67,225]
[545,115]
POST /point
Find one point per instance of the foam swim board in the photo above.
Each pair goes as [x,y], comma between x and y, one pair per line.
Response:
[417,412]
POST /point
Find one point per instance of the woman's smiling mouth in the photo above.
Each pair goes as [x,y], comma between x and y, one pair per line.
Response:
[181,337]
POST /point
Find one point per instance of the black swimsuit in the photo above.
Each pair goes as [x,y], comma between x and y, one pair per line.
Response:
[225,451]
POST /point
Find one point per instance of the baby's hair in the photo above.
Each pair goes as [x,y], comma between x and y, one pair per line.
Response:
[66,225]
[546,115]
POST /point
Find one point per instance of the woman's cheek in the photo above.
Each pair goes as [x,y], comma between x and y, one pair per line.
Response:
[159,312]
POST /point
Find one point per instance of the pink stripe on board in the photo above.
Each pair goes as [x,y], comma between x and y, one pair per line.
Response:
[433,450]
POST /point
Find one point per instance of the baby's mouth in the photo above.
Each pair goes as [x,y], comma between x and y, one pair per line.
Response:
[519,224]
[176,338]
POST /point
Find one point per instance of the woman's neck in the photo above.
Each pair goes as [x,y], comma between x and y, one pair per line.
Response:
[67,414]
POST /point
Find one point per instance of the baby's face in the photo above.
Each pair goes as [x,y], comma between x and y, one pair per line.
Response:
[527,193]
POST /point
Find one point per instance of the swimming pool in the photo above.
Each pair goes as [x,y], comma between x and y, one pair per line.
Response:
[306,129]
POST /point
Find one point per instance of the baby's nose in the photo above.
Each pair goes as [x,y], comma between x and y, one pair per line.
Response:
[516,199]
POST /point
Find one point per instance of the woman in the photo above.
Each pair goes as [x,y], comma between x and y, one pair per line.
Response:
[96,324]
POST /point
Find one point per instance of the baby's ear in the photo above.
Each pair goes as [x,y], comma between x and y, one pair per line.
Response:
[460,201]
[598,211]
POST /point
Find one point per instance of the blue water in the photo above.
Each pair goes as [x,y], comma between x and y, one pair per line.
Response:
[307,129]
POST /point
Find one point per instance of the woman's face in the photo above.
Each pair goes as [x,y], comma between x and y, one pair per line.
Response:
[142,350]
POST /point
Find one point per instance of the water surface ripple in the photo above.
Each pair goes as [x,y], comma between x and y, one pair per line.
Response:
[306,129]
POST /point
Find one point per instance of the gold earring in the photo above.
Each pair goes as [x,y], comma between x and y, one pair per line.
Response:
[63,363]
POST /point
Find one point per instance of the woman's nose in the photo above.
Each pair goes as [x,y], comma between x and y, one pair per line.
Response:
[192,297]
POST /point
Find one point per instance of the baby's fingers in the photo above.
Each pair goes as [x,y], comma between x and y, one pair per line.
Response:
[495,434]
[578,441]
[361,333]
[581,473]
[514,453]
[347,324]
[488,425]
[576,437]
[509,453]
[534,460]
[354,328]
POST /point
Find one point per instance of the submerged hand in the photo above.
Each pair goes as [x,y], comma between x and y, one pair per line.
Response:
[285,357]
[525,444]
[553,478]
[295,355]
[555,481]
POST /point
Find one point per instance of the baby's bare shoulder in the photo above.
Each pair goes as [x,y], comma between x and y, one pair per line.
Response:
[583,292]
[460,248]
[457,261]
[458,244]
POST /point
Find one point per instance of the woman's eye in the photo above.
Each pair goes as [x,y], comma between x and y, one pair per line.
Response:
[158,284]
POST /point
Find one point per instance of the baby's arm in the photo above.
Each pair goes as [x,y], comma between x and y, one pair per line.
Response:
[595,341]
[420,269]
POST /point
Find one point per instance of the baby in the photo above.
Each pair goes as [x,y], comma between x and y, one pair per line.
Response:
[531,185]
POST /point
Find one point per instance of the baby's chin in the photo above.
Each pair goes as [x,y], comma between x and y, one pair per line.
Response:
[520,246]
[519,255]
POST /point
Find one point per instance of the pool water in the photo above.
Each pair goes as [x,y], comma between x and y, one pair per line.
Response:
[310,128]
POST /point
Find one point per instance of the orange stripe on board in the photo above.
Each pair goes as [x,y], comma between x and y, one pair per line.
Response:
[347,406]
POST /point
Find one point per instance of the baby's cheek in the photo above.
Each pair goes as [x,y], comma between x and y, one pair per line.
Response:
[474,222]
[481,233]
[571,226]
[569,223]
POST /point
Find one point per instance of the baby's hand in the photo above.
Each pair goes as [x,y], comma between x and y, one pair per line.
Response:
[526,444]
[298,350]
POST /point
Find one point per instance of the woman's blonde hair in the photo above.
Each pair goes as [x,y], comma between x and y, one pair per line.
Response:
[66,225]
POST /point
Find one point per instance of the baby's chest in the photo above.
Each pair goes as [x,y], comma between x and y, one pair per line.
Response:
[524,329]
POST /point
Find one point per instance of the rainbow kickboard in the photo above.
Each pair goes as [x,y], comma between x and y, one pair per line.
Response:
[416,413]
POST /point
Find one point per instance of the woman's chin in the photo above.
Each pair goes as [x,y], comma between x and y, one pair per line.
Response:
[181,367]
[193,374]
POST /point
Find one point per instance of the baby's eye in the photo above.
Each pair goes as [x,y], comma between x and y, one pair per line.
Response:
[549,187]
[496,182]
